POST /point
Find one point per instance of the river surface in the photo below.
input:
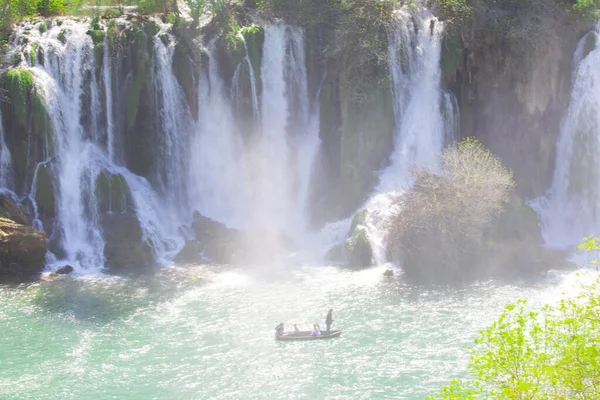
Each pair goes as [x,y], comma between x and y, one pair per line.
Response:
[207,333]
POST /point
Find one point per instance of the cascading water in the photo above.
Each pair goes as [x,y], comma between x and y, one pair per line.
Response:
[260,183]
[289,141]
[5,159]
[175,117]
[82,156]
[420,130]
[571,208]
[216,182]
[256,111]
[108,92]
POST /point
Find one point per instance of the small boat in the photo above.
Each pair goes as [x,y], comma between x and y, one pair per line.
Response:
[305,335]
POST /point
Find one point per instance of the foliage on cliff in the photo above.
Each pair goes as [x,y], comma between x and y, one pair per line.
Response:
[552,353]
[529,21]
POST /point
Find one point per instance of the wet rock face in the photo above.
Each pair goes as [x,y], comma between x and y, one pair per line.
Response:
[512,99]
[125,248]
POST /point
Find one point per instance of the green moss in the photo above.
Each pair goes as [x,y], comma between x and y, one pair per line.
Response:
[358,249]
[96,24]
[42,28]
[255,38]
[97,36]
[19,84]
[59,22]
[165,38]
[41,119]
[62,36]
[359,219]
[113,193]
[33,55]
[44,195]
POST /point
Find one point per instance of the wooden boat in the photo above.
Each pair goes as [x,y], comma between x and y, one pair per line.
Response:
[305,335]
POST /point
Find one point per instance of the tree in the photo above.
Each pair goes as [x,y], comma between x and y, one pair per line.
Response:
[553,353]
[443,219]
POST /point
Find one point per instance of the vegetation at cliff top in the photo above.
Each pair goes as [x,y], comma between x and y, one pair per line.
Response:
[527,21]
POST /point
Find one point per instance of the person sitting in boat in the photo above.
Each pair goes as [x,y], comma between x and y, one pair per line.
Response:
[279,329]
[316,331]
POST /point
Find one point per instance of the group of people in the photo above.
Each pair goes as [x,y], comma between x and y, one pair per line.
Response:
[316,331]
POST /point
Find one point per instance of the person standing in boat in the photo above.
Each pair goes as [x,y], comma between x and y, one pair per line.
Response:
[329,320]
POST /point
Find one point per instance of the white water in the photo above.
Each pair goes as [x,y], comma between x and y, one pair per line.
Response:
[261,182]
[80,158]
[420,131]
[110,123]
[5,159]
[287,147]
[175,117]
[255,109]
[216,182]
[571,208]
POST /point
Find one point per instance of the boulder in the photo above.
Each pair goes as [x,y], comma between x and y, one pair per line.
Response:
[66,270]
[125,248]
[22,252]
[191,252]
[357,247]
[224,245]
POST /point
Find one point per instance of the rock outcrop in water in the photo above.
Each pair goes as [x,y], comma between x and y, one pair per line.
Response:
[22,248]
[215,242]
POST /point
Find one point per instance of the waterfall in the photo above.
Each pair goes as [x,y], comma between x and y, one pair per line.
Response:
[80,159]
[5,159]
[571,208]
[216,181]
[256,112]
[110,123]
[289,138]
[262,182]
[451,113]
[175,119]
[420,127]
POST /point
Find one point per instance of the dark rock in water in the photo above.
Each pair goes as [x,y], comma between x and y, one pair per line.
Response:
[225,245]
[191,253]
[22,252]
[66,270]
[388,273]
[335,254]
[125,248]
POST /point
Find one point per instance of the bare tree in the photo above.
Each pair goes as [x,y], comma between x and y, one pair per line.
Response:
[443,218]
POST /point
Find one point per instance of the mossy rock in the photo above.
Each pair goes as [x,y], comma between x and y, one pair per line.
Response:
[367,138]
[451,58]
[255,38]
[591,41]
[19,84]
[45,190]
[113,193]
[358,250]
[359,219]
[140,74]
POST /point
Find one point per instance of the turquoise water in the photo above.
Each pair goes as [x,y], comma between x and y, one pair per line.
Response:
[207,333]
